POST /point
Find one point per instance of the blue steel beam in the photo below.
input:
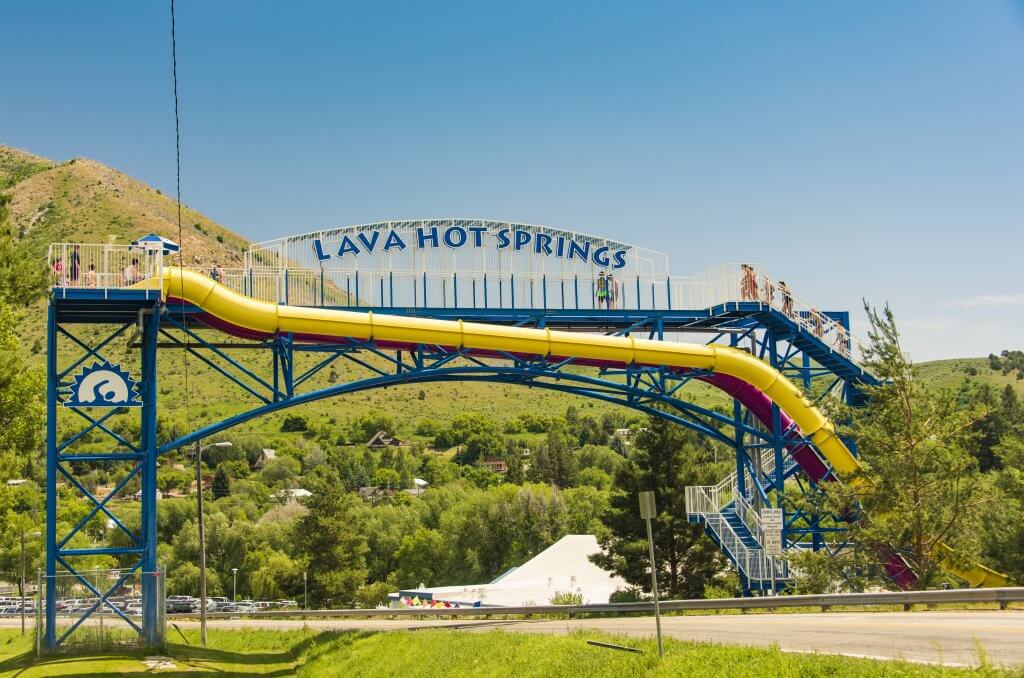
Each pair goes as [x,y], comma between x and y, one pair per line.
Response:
[148,532]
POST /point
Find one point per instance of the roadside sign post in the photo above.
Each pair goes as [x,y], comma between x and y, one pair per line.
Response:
[648,512]
[771,526]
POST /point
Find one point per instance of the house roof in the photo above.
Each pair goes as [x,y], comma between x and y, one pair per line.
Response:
[382,439]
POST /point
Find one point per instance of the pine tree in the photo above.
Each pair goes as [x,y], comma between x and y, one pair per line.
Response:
[666,459]
[332,537]
[221,484]
[924,501]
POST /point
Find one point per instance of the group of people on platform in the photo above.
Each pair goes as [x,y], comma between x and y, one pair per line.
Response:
[766,291]
[72,275]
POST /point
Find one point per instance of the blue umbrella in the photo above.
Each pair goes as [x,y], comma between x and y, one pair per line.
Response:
[153,242]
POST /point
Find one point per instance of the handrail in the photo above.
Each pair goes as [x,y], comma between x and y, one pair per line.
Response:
[749,516]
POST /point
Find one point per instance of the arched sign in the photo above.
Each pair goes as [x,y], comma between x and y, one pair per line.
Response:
[471,246]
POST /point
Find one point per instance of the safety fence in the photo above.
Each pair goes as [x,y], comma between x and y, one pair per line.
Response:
[98,608]
[109,266]
[100,266]
[1002,597]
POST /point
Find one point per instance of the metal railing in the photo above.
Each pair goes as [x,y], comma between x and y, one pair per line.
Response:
[708,502]
[83,265]
[110,266]
[730,282]
[701,499]
[1001,596]
[749,515]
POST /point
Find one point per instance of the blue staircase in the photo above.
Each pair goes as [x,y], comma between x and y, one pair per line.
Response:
[733,520]
[721,509]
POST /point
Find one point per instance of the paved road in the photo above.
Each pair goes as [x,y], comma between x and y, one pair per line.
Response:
[947,637]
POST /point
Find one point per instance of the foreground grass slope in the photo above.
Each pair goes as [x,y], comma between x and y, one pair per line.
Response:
[446,653]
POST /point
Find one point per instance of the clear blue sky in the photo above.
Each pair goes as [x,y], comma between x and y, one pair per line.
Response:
[856,149]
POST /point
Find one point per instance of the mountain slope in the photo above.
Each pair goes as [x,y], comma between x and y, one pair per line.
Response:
[82,200]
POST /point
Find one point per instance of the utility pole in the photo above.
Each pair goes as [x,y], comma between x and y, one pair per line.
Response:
[234,584]
[305,591]
[648,512]
[202,535]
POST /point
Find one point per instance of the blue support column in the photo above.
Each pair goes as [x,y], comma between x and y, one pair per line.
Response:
[148,534]
[777,447]
[50,640]
[738,444]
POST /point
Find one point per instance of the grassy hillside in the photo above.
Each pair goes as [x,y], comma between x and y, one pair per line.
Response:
[956,372]
[81,200]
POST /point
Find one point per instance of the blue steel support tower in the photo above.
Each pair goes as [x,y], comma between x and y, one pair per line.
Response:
[288,378]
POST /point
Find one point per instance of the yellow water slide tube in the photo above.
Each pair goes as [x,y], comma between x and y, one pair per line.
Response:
[254,317]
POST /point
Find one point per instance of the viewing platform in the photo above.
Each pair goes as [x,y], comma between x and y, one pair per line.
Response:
[103,280]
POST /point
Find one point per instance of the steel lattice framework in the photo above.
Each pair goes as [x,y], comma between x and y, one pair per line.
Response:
[155,327]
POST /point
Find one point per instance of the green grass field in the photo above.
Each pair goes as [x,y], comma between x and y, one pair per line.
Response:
[446,653]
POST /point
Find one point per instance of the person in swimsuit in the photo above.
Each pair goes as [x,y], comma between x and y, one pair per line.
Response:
[748,283]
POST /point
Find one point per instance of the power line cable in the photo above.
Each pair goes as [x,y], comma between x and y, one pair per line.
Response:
[181,241]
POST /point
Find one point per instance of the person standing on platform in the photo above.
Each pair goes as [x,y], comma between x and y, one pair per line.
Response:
[58,271]
[787,298]
[74,264]
[602,290]
[748,283]
[613,290]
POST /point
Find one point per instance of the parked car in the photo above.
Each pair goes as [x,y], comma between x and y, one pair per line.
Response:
[181,604]
[216,603]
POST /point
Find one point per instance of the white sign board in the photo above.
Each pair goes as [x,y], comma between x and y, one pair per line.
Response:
[771,525]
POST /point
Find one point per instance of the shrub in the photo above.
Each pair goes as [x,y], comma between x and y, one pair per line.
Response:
[567,598]
[294,423]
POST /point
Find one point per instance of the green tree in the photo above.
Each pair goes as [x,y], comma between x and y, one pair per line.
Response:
[387,477]
[666,459]
[480,446]
[274,575]
[373,594]
[333,539]
[554,460]
[221,485]
[422,559]
[173,479]
[919,484]
[22,279]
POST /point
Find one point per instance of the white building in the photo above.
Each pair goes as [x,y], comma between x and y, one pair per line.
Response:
[563,567]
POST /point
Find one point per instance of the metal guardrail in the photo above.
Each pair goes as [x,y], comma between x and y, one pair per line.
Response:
[1001,596]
